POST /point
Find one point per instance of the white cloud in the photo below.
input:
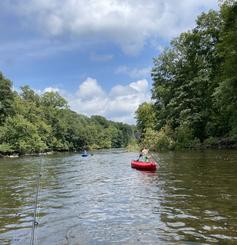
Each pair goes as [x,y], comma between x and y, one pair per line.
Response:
[134,72]
[127,23]
[62,92]
[51,89]
[119,104]
[139,86]
[120,90]
[90,89]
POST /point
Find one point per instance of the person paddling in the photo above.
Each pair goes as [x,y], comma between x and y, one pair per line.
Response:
[144,155]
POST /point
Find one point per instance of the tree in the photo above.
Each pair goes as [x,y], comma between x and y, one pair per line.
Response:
[145,116]
[101,120]
[53,99]
[184,77]
[29,95]
[226,93]
[34,123]
[22,135]
[6,98]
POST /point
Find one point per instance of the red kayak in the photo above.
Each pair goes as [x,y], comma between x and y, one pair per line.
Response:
[145,166]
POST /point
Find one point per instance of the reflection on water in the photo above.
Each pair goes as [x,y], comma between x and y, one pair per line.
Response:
[200,196]
[100,199]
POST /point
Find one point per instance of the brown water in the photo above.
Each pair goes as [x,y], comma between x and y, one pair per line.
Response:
[191,199]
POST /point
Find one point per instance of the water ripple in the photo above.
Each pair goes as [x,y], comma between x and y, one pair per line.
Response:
[101,200]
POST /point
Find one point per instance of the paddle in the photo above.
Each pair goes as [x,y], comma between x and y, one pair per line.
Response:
[140,155]
[154,159]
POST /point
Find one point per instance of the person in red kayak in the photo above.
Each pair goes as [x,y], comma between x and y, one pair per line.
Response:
[144,155]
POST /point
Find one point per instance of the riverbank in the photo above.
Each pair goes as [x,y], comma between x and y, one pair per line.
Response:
[16,155]
[168,143]
[215,144]
[222,143]
[129,148]
[211,143]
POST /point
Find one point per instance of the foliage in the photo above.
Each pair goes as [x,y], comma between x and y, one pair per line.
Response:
[145,116]
[184,137]
[6,98]
[22,135]
[211,141]
[133,146]
[53,100]
[31,123]
[226,92]
[159,140]
[6,148]
[195,85]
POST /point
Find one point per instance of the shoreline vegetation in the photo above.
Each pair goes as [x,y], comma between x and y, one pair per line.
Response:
[34,124]
[194,91]
[220,144]
[134,147]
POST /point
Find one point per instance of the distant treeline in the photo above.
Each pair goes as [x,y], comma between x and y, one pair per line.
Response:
[195,86]
[33,123]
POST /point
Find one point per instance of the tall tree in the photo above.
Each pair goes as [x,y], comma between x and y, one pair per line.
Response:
[184,77]
[226,93]
[29,95]
[6,98]
[145,116]
[54,100]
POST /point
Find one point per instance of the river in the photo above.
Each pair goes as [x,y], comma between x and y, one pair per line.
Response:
[102,200]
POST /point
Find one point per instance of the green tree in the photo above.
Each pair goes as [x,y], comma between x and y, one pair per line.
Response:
[34,123]
[28,94]
[6,98]
[22,135]
[145,117]
[53,99]
[100,120]
[184,77]
[226,93]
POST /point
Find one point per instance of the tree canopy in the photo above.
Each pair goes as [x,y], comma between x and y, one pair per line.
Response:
[31,123]
[195,84]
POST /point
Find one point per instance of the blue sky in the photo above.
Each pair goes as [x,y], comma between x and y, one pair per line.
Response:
[96,53]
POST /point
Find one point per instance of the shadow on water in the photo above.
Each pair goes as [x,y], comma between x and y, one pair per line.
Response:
[102,200]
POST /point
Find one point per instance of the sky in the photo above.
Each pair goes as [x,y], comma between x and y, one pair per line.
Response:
[97,54]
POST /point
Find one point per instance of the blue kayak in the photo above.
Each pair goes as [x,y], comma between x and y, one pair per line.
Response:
[84,155]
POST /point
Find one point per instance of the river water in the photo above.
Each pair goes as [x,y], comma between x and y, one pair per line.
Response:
[191,199]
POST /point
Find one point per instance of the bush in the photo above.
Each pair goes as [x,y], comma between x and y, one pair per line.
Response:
[22,135]
[184,136]
[161,140]
[211,141]
[133,146]
[6,148]
[164,139]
